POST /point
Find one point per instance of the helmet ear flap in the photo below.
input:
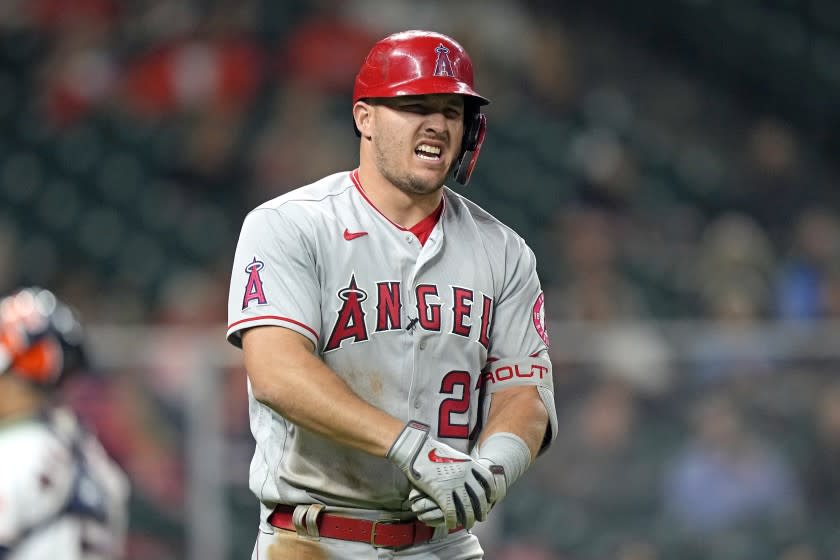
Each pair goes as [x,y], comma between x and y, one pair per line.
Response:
[474,131]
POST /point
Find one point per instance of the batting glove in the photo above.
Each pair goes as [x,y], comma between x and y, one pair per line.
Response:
[429,513]
[505,454]
[460,487]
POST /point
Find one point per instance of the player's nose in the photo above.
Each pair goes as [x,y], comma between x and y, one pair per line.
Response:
[435,123]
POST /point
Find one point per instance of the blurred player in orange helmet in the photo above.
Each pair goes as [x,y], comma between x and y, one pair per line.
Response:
[61,496]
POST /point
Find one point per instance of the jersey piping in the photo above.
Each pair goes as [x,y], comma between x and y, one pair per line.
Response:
[276,318]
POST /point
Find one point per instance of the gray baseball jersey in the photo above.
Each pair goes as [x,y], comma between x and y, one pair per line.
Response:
[422,331]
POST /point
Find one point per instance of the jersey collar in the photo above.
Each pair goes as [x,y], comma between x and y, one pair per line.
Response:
[421,229]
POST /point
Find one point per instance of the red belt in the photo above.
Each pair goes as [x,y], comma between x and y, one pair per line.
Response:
[380,534]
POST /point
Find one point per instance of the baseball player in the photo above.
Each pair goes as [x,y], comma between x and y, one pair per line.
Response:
[60,494]
[393,332]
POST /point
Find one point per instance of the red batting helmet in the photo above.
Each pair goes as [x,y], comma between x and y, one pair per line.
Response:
[421,63]
[416,63]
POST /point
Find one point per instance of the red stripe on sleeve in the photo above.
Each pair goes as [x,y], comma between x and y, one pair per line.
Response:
[278,318]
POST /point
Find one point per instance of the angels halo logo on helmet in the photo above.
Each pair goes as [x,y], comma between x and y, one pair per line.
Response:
[422,63]
[443,67]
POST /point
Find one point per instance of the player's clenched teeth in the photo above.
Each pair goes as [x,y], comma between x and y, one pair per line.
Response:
[428,152]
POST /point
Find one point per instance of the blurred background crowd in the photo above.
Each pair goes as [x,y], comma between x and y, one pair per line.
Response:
[672,163]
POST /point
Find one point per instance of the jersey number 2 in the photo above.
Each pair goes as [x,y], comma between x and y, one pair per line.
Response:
[454,382]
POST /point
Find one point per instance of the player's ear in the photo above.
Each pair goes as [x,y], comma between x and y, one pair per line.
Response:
[362,115]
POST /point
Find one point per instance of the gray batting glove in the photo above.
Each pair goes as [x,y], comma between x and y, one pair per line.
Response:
[458,485]
[431,514]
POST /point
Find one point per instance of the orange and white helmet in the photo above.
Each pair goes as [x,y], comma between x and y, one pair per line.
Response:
[40,338]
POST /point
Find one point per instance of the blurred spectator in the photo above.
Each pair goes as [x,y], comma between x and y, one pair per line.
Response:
[591,286]
[736,347]
[290,151]
[324,52]
[727,477]
[600,442]
[80,72]
[217,73]
[67,13]
[822,471]
[56,15]
[735,255]
[775,174]
[550,79]
[207,166]
[733,277]
[803,289]
[610,173]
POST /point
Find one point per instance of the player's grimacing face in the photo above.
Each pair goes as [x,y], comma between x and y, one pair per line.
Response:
[417,138]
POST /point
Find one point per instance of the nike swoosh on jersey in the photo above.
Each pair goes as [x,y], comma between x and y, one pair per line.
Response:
[349,236]
[435,458]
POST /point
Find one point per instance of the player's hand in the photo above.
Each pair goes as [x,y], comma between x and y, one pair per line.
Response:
[430,513]
[426,509]
[460,487]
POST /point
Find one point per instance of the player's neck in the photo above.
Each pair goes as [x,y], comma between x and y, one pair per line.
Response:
[402,208]
[18,401]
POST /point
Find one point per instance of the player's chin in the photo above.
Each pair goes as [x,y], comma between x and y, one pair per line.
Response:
[433,175]
[424,185]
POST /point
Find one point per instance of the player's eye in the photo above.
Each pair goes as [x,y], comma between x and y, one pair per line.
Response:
[452,113]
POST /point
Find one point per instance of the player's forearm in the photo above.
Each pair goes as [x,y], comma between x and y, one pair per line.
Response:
[518,410]
[318,400]
[304,390]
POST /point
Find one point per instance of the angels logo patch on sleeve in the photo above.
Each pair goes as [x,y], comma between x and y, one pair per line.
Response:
[539,318]
[254,288]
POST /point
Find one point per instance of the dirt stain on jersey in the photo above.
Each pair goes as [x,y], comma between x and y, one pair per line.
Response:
[288,546]
[369,385]
[352,478]
[376,386]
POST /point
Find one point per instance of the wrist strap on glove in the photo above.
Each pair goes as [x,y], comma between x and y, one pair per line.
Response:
[408,444]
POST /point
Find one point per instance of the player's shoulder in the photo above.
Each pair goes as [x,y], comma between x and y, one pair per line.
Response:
[486,224]
[24,444]
[308,197]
